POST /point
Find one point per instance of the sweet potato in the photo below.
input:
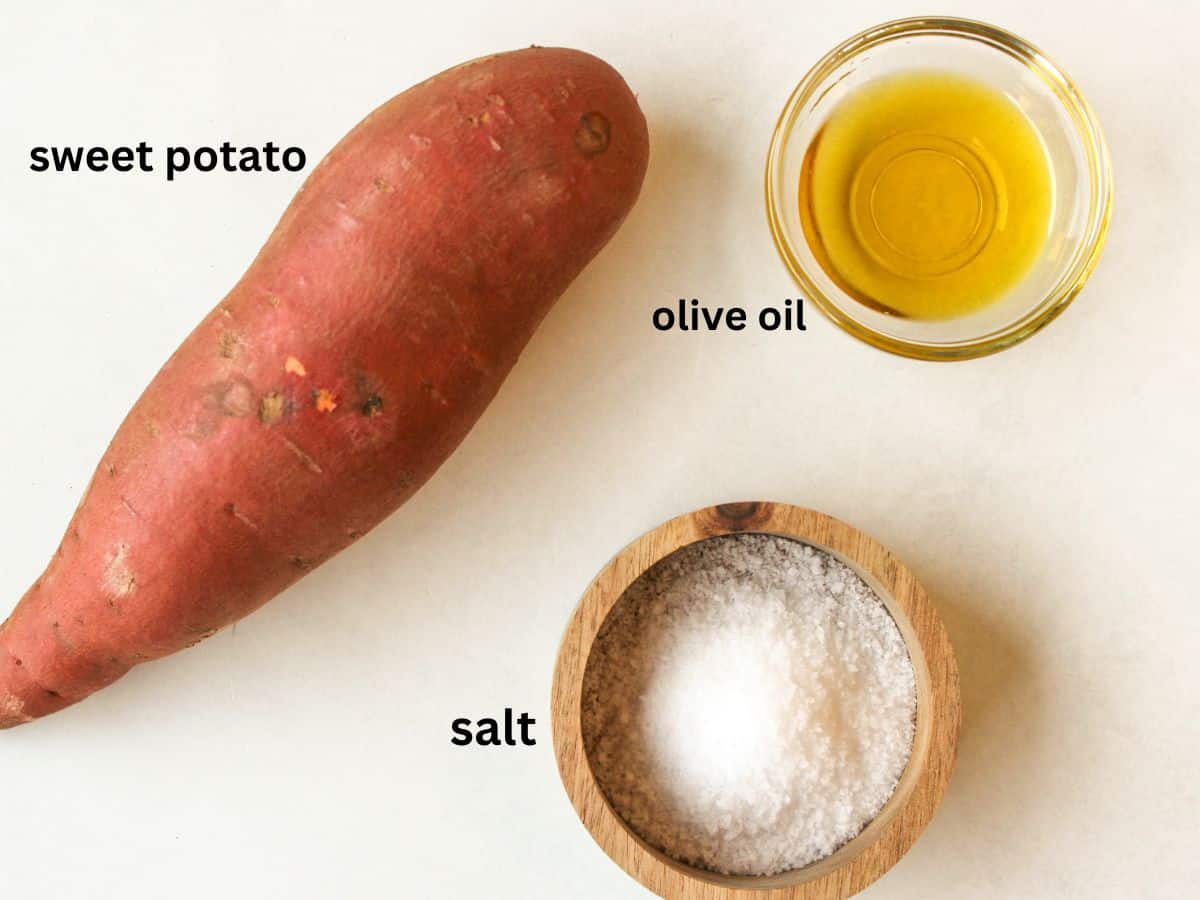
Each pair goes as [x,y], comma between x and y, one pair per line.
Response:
[365,339]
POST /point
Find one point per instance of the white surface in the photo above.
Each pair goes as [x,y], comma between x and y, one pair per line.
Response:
[1045,496]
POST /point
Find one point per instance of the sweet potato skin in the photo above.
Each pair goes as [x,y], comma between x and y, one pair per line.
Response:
[365,339]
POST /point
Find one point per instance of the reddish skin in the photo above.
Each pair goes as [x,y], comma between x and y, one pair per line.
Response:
[369,334]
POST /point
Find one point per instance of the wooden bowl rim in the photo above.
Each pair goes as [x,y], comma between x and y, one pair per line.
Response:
[885,840]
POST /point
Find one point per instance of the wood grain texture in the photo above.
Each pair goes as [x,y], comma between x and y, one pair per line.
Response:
[883,842]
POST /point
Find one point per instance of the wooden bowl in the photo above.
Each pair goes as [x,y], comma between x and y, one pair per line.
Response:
[889,836]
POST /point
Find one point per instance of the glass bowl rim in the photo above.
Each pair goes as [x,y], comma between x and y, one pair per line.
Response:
[1099,166]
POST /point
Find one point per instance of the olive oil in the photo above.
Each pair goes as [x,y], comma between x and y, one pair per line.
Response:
[926,195]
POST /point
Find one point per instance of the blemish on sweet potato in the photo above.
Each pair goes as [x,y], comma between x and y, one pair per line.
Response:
[203,428]
[500,107]
[12,711]
[60,638]
[234,398]
[373,406]
[271,408]
[301,563]
[119,580]
[543,191]
[233,510]
[198,636]
[229,345]
[309,463]
[593,134]
[382,184]
[324,400]
[273,300]
[293,366]
[129,507]
[431,389]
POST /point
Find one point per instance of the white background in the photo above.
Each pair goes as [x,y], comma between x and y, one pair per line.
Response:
[1045,496]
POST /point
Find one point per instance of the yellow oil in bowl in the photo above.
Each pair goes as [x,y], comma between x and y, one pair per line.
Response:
[926,195]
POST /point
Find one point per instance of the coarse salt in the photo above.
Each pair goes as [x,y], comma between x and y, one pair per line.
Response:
[749,705]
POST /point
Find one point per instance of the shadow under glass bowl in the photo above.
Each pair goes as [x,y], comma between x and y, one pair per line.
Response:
[1075,149]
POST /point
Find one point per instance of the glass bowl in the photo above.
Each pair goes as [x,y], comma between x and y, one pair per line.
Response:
[1078,158]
